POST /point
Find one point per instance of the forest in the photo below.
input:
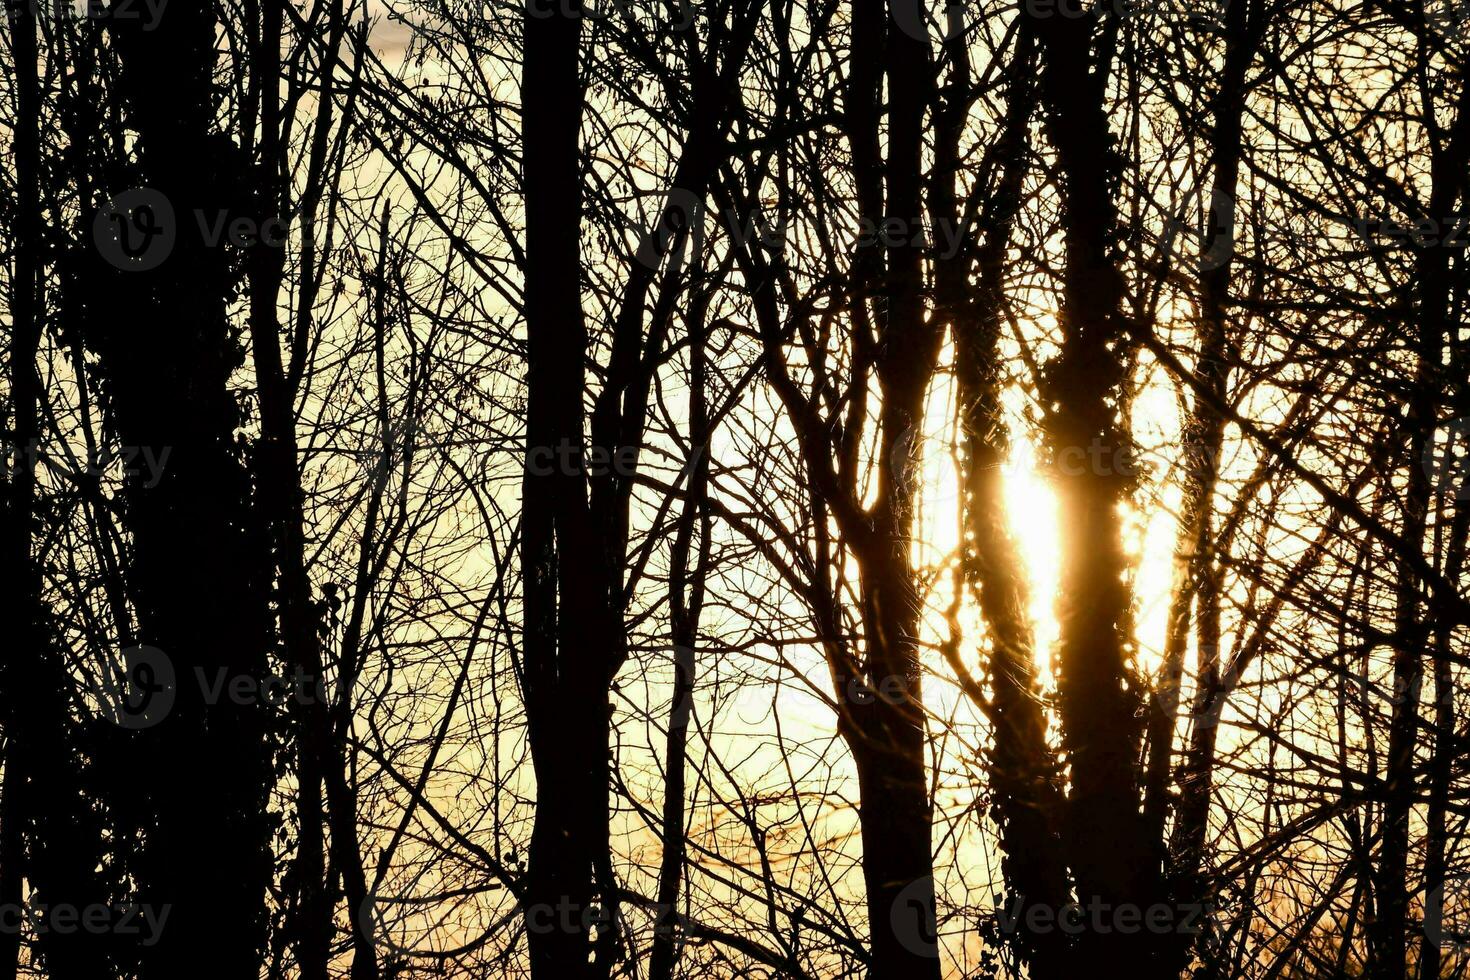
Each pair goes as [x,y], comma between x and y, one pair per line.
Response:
[652,489]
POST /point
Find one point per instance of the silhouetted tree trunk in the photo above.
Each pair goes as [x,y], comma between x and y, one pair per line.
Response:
[50,834]
[200,566]
[1027,797]
[886,732]
[318,753]
[1112,857]
[1449,159]
[1197,577]
[280,497]
[20,608]
[567,629]
[1436,836]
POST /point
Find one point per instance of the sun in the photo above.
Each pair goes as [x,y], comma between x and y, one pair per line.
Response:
[1031,509]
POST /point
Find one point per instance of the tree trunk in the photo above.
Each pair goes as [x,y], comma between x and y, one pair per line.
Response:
[886,730]
[1388,951]
[317,756]
[565,655]
[200,573]
[1197,578]
[1022,767]
[1114,861]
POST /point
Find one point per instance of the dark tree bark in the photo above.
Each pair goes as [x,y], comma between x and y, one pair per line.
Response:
[280,497]
[1023,768]
[575,529]
[200,563]
[886,733]
[879,699]
[50,834]
[1436,836]
[1197,583]
[1113,859]
[1449,160]
[20,603]
[565,670]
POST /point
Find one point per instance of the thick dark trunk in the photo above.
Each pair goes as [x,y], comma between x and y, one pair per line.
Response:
[888,748]
[1388,932]
[49,832]
[200,572]
[1113,859]
[566,655]
[1436,837]
[884,729]
[1023,769]
[886,733]
[671,866]
[19,608]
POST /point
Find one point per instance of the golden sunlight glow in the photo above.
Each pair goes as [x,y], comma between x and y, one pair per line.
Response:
[1148,526]
[1031,506]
